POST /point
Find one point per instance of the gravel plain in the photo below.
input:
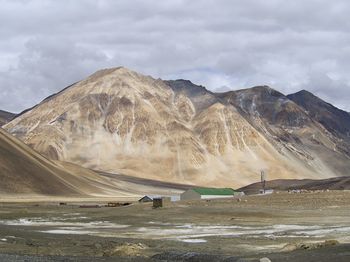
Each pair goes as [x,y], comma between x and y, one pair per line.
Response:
[280,226]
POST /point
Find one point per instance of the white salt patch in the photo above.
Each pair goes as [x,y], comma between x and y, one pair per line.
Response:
[186,231]
[71,214]
[194,240]
[294,227]
[161,223]
[67,232]
[262,247]
[3,239]
[182,232]
[45,222]
[185,226]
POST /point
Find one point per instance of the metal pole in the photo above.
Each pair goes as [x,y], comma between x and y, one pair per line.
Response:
[264,185]
[263,181]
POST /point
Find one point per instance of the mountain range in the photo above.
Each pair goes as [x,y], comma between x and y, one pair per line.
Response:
[120,121]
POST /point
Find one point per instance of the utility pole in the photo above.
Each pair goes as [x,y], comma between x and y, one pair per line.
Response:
[263,180]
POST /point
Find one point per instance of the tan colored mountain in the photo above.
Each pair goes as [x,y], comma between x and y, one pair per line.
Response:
[26,174]
[120,121]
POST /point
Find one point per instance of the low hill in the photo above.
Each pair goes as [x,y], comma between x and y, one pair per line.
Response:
[336,183]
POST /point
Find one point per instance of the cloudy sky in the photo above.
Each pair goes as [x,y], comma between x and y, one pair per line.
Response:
[222,44]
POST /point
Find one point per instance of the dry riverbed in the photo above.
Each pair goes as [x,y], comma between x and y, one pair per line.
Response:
[280,226]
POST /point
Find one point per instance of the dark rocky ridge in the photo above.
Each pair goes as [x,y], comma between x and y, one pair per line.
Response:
[199,95]
[332,118]
[268,104]
[6,117]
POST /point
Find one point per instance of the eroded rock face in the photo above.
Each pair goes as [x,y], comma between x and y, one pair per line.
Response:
[291,129]
[332,118]
[120,121]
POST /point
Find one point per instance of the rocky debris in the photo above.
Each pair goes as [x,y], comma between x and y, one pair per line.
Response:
[265,259]
[305,191]
[306,246]
[193,257]
[97,246]
[127,249]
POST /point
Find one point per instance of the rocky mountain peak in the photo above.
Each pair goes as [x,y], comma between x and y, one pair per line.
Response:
[121,72]
[268,104]
[331,117]
[266,91]
[181,85]
[303,97]
[198,94]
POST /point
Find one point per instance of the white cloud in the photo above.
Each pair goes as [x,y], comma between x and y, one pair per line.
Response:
[46,45]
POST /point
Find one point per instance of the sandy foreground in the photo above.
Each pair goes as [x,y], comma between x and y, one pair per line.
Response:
[280,226]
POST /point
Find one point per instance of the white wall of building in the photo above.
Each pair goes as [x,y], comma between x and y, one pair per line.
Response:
[214,196]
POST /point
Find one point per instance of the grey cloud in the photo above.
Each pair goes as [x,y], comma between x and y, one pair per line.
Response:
[46,45]
[45,67]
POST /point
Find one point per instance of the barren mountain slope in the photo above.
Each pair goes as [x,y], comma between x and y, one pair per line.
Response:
[5,117]
[291,129]
[120,121]
[24,171]
[333,119]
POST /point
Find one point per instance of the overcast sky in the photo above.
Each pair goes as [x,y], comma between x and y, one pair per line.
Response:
[228,44]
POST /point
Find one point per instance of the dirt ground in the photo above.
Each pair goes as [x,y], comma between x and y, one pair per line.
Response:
[280,226]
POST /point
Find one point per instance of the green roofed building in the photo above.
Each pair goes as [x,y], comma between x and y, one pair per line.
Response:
[208,193]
